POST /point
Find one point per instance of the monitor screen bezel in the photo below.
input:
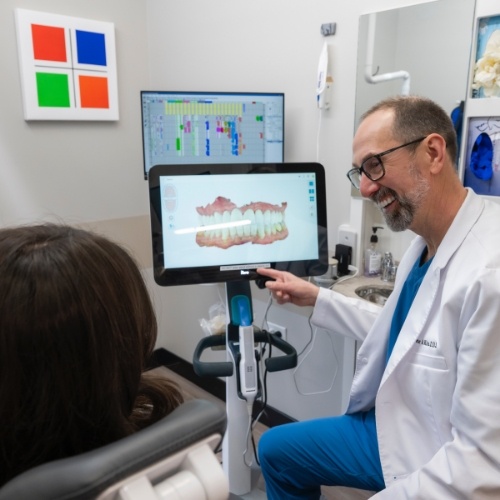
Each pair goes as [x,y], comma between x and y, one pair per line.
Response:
[213,274]
[207,94]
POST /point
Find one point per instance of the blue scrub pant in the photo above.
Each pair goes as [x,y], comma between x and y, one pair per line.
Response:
[296,459]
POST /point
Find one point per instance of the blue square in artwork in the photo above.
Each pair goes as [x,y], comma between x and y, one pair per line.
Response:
[91,48]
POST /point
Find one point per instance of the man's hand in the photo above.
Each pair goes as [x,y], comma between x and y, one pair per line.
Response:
[287,288]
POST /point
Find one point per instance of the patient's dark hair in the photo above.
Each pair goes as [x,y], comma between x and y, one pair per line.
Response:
[77,329]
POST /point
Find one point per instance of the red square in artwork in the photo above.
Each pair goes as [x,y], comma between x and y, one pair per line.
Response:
[49,43]
[93,92]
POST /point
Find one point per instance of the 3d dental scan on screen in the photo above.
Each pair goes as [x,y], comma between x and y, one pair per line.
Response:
[217,224]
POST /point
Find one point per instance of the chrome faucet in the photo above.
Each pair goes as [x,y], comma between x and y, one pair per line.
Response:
[388,267]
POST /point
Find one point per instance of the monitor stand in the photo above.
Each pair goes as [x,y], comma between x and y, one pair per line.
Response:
[237,452]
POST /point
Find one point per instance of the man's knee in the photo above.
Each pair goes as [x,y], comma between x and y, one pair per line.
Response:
[267,447]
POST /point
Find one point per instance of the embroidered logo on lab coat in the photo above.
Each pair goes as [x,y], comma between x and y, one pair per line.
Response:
[428,343]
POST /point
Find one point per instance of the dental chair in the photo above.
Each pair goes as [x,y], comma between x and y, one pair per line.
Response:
[171,459]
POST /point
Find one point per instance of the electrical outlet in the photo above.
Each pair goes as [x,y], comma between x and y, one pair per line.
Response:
[347,236]
[274,328]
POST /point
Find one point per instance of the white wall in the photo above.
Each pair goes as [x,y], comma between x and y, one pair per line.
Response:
[91,173]
[80,171]
[271,46]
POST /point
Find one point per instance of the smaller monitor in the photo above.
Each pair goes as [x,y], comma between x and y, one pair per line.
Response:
[219,223]
[211,127]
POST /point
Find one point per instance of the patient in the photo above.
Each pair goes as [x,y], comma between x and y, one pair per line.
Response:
[77,328]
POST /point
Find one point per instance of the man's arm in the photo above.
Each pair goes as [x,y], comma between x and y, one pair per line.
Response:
[332,311]
[288,288]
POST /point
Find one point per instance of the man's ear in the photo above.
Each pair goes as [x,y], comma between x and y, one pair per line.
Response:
[436,151]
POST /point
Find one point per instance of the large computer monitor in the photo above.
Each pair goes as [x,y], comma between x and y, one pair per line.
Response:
[219,223]
[211,127]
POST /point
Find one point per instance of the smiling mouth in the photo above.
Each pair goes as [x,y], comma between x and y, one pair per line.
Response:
[386,202]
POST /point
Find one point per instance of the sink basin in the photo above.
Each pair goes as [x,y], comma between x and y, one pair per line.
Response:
[376,294]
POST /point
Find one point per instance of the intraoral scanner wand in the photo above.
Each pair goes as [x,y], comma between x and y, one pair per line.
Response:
[248,364]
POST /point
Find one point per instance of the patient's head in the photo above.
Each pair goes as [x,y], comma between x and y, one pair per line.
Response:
[76,329]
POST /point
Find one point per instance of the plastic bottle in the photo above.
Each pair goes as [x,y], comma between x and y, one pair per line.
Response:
[373,258]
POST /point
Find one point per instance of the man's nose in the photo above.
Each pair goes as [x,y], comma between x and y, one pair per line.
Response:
[367,187]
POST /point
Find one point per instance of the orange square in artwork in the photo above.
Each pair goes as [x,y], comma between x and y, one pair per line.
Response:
[94,92]
[49,43]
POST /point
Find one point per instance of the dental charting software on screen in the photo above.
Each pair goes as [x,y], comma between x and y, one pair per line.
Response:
[202,127]
[238,220]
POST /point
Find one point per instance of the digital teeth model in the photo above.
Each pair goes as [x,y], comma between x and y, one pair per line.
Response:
[258,223]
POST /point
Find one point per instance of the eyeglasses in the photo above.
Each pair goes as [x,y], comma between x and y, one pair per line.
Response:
[373,167]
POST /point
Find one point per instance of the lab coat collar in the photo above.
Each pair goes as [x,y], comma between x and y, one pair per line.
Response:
[463,222]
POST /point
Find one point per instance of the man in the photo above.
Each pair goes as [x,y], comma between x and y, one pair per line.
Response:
[423,416]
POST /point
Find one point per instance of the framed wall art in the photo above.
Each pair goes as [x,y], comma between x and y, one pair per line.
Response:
[67,67]
[482,160]
[486,80]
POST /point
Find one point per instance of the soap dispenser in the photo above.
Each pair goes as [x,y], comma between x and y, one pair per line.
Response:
[373,258]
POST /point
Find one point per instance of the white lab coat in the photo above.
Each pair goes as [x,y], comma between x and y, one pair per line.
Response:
[438,400]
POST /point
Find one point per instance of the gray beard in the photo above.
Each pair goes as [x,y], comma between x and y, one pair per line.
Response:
[401,219]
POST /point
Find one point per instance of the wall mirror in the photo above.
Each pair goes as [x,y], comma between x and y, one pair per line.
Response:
[430,44]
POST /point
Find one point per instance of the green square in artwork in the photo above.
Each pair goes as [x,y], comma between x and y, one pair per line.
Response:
[53,90]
